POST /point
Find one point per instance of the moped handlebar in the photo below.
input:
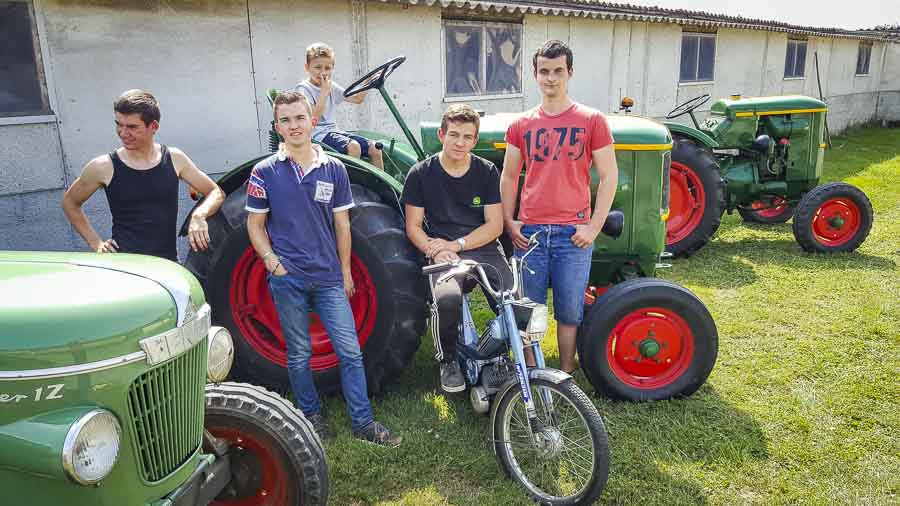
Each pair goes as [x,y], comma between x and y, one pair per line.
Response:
[462,267]
[436,268]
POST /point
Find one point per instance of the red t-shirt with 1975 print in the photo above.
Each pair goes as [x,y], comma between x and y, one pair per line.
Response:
[557,151]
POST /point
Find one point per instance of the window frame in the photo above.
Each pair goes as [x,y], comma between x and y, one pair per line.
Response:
[796,44]
[869,46]
[710,35]
[483,25]
[39,44]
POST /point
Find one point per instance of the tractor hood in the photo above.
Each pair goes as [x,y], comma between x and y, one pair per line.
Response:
[62,309]
[627,131]
[765,106]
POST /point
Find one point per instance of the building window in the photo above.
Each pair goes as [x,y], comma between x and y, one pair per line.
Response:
[863,57]
[22,88]
[698,57]
[795,59]
[482,59]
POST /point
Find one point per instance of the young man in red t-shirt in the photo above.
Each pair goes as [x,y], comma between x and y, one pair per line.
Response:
[558,140]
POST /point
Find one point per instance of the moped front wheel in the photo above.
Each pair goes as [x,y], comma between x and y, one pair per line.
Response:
[561,457]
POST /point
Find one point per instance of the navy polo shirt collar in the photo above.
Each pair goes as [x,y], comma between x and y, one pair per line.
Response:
[321,159]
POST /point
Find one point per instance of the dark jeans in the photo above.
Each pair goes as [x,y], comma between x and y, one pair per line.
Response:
[446,308]
[294,299]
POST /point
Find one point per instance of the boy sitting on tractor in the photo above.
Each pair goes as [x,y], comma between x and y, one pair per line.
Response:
[325,95]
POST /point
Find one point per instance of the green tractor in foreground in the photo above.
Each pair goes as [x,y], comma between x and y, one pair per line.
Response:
[762,156]
[642,338]
[111,393]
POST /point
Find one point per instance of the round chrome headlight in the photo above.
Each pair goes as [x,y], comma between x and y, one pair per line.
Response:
[220,355]
[92,447]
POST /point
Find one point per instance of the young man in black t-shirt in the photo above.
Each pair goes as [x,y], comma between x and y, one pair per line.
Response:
[458,195]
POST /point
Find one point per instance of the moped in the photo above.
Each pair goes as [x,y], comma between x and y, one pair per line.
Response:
[545,431]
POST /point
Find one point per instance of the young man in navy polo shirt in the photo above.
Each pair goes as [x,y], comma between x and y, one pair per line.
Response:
[299,224]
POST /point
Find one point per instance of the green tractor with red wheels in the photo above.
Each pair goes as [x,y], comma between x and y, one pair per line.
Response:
[762,157]
[642,338]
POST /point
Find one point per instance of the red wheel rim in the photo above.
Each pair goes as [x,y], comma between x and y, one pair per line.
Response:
[254,312]
[273,488]
[778,207]
[654,331]
[687,202]
[836,222]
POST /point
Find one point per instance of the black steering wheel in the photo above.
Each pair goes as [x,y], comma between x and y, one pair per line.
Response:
[375,78]
[688,106]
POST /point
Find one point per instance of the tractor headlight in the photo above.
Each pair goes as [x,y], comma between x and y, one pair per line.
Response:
[92,447]
[220,355]
[531,319]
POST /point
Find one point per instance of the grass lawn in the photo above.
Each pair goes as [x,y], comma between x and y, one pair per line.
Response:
[803,406]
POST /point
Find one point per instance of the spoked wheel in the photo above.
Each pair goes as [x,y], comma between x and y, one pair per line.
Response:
[564,459]
[276,457]
[696,198]
[647,339]
[778,210]
[832,218]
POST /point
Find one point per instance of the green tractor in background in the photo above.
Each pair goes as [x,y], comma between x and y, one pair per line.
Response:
[762,156]
[642,338]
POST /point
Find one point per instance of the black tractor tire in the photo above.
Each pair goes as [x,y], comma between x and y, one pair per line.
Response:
[619,331]
[773,216]
[276,456]
[815,227]
[694,172]
[394,267]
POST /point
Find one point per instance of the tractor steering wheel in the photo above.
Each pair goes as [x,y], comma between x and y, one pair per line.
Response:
[375,78]
[688,107]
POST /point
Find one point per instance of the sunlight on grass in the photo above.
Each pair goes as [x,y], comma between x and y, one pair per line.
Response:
[444,412]
[427,496]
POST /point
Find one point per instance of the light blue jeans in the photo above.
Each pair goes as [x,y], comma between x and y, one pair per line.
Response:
[557,263]
[294,299]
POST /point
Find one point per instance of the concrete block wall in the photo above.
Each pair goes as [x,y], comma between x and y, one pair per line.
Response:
[210,63]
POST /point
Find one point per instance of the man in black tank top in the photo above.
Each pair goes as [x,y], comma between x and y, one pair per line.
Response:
[141,183]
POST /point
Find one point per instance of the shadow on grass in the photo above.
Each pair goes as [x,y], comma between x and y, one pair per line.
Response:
[656,444]
[788,252]
[724,263]
[717,270]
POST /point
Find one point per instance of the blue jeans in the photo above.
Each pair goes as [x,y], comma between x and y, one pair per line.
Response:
[556,262]
[294,299]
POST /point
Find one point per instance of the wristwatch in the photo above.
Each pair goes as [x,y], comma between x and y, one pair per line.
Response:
[462,243]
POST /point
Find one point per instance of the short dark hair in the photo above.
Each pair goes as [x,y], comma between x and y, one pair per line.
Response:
[553,49]
[460,113]
[289,97]
[138,102]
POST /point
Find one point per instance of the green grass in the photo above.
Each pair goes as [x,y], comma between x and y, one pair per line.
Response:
[803,406]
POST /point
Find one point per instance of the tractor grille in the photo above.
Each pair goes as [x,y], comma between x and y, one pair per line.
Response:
[166,407]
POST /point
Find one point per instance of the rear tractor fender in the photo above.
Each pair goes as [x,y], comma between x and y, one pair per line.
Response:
[691,133]
[359,171]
